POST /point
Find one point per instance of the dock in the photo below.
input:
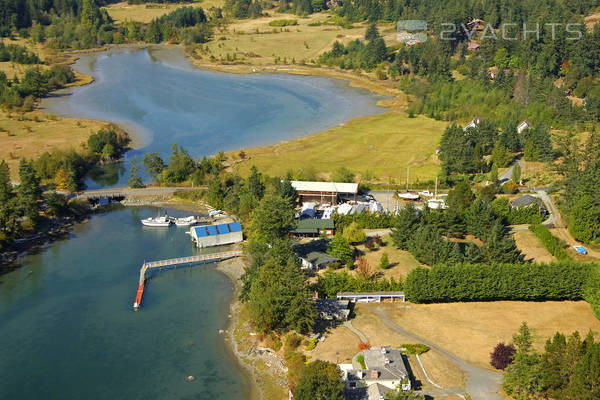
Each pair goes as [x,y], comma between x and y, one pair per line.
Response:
[174,262]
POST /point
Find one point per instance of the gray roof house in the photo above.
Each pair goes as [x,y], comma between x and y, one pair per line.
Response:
[333,309]
[385,367]
[313,255]
[527,201]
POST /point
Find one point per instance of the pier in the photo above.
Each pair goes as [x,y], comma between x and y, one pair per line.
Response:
[174,262]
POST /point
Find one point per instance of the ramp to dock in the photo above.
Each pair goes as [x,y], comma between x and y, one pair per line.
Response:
[173,262]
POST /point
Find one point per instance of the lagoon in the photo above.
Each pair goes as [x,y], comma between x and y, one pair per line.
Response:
[68,329]
[163,99]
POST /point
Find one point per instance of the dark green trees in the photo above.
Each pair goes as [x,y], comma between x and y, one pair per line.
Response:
[340,248]
[272,219]
[321,380]
[29,193]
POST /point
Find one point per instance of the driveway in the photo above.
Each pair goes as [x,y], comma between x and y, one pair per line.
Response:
[507,175]
[482,384]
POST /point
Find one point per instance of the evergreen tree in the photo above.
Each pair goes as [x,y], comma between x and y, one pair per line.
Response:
[372,32]
[134,178]
[321,380]
[272,219]
[500,247]
[90,14]
[406,221]
[340,248]
[461,197]
[29,192]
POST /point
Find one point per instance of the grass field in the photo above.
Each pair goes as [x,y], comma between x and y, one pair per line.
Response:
[471,330]
[384,145]
[531,247]
[145,13]
[402,262]
[30,138]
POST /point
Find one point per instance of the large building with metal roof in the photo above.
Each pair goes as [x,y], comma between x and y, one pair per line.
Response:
[324,192]
[217,235]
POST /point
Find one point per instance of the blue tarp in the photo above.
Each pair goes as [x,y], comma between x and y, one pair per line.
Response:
[580,249]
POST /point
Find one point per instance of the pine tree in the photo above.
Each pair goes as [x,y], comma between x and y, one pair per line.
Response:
[29,192]
[372,32]
[339,248]
[90,14]
[134,178]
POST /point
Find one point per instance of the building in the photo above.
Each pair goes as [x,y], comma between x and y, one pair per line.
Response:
[524,125]
[371,297]
[313,227]
[473,124]
[324,192]
[473,46]
[332,309]
[314,255]
[217,235]
[528,201]
[385,366]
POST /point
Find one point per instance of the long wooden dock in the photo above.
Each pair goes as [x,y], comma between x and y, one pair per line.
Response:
[173,262]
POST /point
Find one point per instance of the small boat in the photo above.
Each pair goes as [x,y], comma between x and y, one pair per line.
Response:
[187,221]
[408,196]
[426,193]
[157,221]
[435,204]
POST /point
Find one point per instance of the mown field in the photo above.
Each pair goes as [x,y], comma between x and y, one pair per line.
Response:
[145,13]
[382,145]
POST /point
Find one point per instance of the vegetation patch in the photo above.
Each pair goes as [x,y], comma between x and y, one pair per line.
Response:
[283,22]
[418,348]
[554,245]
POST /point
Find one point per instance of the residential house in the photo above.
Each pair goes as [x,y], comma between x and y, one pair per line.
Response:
[332,309]
[313,227]
[473,124]
[528,201]
[473,46]
[385,366]
[313,255]
[524,125]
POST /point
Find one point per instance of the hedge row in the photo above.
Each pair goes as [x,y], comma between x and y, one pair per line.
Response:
[554,245]
[488,282]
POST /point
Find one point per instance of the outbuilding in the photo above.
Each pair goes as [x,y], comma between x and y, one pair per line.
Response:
[324,192]
[313,227]
[217,235]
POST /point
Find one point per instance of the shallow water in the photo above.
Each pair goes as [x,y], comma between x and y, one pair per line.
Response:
[68,329]
[158,94]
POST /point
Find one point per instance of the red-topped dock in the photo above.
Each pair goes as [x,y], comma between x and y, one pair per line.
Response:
[173,262]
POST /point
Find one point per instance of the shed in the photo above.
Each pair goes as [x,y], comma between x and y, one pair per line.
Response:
[473,124]
[313,227]
[524,125]
[217,235]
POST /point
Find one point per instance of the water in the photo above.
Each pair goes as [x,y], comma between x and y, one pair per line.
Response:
[68,329]
[158,94]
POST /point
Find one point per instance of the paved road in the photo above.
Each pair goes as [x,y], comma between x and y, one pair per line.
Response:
[507,175]
[482,384]
[554,219]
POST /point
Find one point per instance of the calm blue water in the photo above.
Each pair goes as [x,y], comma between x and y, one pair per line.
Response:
[68,329]
[165,100]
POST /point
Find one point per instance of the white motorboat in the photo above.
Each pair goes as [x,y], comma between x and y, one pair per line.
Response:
[157,221]
[186,221]
[426,193]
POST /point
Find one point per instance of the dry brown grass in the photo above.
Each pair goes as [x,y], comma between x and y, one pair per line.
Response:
[531,247]
[340,340]
[471,330]
[30,138]
[401,261]
[145,13]
[592,20]
[539,174]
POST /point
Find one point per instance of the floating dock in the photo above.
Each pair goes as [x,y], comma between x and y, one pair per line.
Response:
[174,262]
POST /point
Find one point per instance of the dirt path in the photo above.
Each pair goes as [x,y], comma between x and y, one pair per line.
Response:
[482,384]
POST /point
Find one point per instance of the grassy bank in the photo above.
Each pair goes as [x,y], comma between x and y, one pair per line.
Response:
[382,146]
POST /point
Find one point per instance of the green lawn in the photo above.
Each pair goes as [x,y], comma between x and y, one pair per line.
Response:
[383,144]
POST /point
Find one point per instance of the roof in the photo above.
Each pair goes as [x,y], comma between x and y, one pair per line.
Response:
[366,294]
[387,361]
[526,200]
[526,122]
[338,187]
[312,225]
[377,391]
[214,230]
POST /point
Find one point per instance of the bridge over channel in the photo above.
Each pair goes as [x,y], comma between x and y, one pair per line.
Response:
[174,262]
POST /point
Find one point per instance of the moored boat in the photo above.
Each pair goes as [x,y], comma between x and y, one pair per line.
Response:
[186,221]
[157,221]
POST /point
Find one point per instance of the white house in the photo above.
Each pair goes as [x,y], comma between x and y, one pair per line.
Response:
[524,125]
[473,124]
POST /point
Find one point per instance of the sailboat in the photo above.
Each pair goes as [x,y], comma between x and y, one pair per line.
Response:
[436,203]
[408,195]
[185,221]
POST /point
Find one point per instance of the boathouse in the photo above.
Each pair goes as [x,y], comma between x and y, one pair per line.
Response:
[324,192]
[217,235]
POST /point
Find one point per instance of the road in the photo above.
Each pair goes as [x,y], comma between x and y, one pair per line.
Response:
[507,175]
[128,192]
[482,384]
